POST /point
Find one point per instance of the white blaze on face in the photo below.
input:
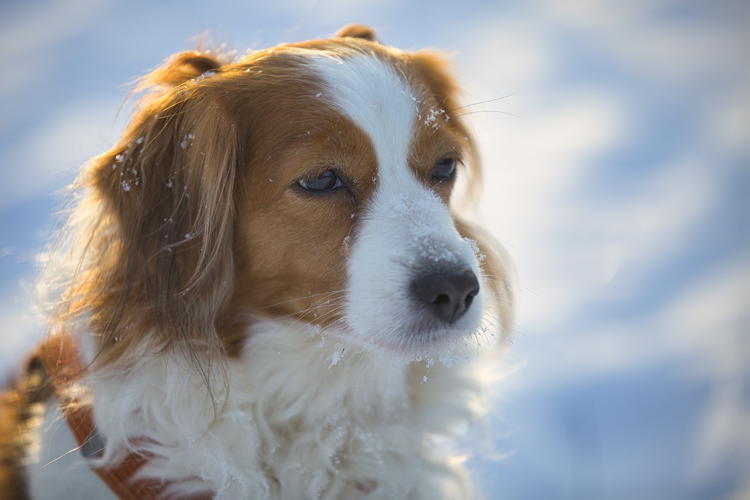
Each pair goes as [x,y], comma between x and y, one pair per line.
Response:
[405,227]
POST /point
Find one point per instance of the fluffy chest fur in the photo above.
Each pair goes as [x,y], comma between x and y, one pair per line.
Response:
[273,296]
[368,427]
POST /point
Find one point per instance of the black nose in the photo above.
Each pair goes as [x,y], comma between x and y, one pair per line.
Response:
[447,294]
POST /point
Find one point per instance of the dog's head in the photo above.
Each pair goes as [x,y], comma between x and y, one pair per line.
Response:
[309,181]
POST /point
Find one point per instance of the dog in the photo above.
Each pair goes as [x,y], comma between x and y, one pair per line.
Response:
[261,290]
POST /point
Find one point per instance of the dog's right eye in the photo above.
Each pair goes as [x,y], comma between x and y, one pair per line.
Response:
[327,181]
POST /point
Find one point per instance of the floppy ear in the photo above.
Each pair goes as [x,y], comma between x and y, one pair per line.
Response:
[158,264]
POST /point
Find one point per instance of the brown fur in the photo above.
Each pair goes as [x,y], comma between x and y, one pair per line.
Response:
[21,409]
[190,224]
[195,215]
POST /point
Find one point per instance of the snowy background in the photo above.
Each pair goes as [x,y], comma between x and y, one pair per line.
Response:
[619,181]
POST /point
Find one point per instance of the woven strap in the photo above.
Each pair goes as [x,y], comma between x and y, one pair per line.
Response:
[62,361]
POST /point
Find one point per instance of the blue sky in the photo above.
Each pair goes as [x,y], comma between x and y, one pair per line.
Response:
[617,176]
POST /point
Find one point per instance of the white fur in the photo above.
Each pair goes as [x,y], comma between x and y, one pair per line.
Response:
[336,413]
[406,225]
[368,426]
[57,470]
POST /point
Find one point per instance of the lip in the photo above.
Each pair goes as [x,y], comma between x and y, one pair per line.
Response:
[411,345]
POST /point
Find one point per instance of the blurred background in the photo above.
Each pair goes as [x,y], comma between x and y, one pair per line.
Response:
[617,176]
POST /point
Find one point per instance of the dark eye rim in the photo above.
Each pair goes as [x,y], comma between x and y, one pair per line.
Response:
[302,182]
[442,177]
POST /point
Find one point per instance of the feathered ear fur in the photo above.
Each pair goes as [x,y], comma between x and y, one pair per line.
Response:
[154,262]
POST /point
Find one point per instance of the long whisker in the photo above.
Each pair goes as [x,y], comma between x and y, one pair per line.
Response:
[484,102]
[305,313]
[488,111]
[301,298]
[291,347]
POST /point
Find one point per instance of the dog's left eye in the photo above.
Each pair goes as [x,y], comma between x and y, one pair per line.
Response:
[444,169]
[327,181]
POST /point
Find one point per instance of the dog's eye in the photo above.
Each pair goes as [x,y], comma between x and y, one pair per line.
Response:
[327,181]
[444,169]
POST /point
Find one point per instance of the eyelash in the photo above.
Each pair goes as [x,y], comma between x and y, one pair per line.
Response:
[323,183]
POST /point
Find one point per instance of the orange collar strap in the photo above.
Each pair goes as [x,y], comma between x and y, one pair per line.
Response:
[62,361]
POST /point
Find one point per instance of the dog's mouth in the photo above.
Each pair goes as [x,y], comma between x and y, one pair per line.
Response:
[414,345]
[427,331]
[427,308]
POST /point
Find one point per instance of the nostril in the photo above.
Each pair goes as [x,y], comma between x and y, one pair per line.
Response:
[470,296]
[447,294]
